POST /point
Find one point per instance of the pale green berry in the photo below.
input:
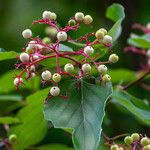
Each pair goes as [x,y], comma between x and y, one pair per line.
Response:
[114,147]
[53,16]
[86,68]
[12,138]
[88,50]
[113,58]
[99,34]
[56,77]
[62,36]
[79,16]
[69,68]
[107,39]
[135,136]
[46,75]
[71,22]
[146,147]
[46,40]
[24,57]
[51,31]
[128,140]
[88,19]
[145,141]
[148,25]
[55,91]
[120,148]
[103,30]
[102,69]
[106,78]
[27,33]
[29,50]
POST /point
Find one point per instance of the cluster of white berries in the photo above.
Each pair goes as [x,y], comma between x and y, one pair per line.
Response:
[49,15]
[135,137]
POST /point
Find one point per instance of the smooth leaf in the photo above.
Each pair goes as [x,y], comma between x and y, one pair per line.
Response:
[83,111]
[65,48]
[10,98]
[8,120]
[140,41]
[8,55]
[33,128]
[142,112]
[54,147]
[115,13]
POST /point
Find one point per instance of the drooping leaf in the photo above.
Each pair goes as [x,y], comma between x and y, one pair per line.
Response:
[140,110]
[10,98]
[8,55]
[33,127]
[64,48]
[140,41]
[115,13]
[83,111]
[9,120]
[54,147]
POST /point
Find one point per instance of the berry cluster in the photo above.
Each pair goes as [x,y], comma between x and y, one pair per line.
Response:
[133,142]
[38,50]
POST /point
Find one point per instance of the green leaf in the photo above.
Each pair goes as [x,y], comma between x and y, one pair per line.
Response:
[83,112]
[33,128]
[54,147]
[140,111]
[115,13]
[8,120]
[64,48]
[8,55]
[140,41]
[10,98]
[121,75]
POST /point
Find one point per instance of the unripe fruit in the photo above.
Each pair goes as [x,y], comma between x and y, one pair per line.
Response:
[79,16]
[46,75]
[17,81]
[12,139]
[99,34]
[148,53]
[29,50]
[102,69]
[146,147]
[114,147]
[46,40]
[103,30]
[145,141]
[51,31]
[55,91]
[69,68]
[88,50]
[62,36]
[128,140]
[120,148]
[46,15]
[32,68]
[113,58]
[24,57]
[88,19]
[107,39]
[56,77]
[86,68]
[32,45]
[27,33]
[53,16]
[106,78]
[135,136]
[148,25]
[71,22]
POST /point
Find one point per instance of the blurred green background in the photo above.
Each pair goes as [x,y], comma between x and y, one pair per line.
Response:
[17,15]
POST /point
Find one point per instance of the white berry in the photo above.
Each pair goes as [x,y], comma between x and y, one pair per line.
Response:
[88,19]
[32,45]
[46,15]
[79,16]
[62,36]
[27,33]
[69,68]
[106,78]
[107,39]
[24,57]
[17,81]
[102,69]
[86,68]
[46,75]
[148,53]
[103,30]
[55,91]
[113,58]
[56,77]
[88,50]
